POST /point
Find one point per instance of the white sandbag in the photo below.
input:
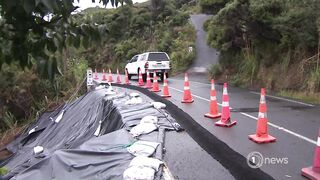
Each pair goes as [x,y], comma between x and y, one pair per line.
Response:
[143,148]
[138,173]
[38,149]
[110,91]
[134,94]
[158,105]
[134,100]
[143,128]
[149,119]
[142,161]
[100,87]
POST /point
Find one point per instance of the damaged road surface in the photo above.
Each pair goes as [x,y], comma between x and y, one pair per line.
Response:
[122,132]
[104,134]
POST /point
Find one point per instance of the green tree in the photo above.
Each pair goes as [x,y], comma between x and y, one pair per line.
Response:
[35,31]
[157,5]
[212,6]
[253,34]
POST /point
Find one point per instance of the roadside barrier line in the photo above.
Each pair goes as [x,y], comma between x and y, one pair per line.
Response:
[255,118]
[284,99]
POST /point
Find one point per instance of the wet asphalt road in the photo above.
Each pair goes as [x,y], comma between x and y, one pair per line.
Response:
[205,54]
[185,159]
[294,124]
[300,119]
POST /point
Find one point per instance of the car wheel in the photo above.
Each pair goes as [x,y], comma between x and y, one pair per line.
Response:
[162,76]
[144,77]
[138,72]
[129,75]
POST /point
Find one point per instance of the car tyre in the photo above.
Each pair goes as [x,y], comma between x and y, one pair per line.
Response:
[162,76]
[144,77]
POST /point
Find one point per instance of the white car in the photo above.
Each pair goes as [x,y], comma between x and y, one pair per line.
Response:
[158,62]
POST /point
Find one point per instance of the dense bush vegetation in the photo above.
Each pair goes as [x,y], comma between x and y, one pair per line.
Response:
[37,71]
[212,6]
[54,55]
[268,42]
[23,94]
[139,29]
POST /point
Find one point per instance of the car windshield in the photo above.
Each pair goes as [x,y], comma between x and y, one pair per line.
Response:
[158,57]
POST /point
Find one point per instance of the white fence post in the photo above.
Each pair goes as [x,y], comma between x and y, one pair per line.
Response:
[89,79]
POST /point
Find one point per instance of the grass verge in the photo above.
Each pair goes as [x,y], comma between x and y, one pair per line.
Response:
[313,98]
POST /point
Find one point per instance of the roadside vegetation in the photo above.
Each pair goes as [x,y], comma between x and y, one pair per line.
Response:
[134,30]
[45,50]
[3,171]
[271,43]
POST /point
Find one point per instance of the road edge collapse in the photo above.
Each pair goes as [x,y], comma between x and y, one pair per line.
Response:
[233,161]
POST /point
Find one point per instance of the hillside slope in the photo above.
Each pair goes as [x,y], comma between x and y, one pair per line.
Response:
[137,29]
[267,43]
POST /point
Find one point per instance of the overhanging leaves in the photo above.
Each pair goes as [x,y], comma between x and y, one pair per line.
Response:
[37,29]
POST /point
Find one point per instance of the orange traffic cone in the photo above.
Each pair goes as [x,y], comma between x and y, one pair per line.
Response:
[148,83]
[140,80]
[213,103]
[225,120]
[104,78]
[166,93]
[187,97]
[155,87]
[95,75]
[127,78]
[110,76]
[118,77]
[314,172]
[262,135]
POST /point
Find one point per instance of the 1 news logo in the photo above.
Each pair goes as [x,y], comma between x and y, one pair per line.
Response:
[256,160]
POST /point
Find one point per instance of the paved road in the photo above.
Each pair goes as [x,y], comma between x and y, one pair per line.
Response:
[301,119]
[294,124]
[186,159]
[205,54]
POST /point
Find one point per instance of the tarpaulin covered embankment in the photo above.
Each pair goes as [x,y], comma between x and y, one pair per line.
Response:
[104,134]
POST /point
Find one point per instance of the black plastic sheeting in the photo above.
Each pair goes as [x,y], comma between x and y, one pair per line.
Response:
[104,157]
[71,151]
